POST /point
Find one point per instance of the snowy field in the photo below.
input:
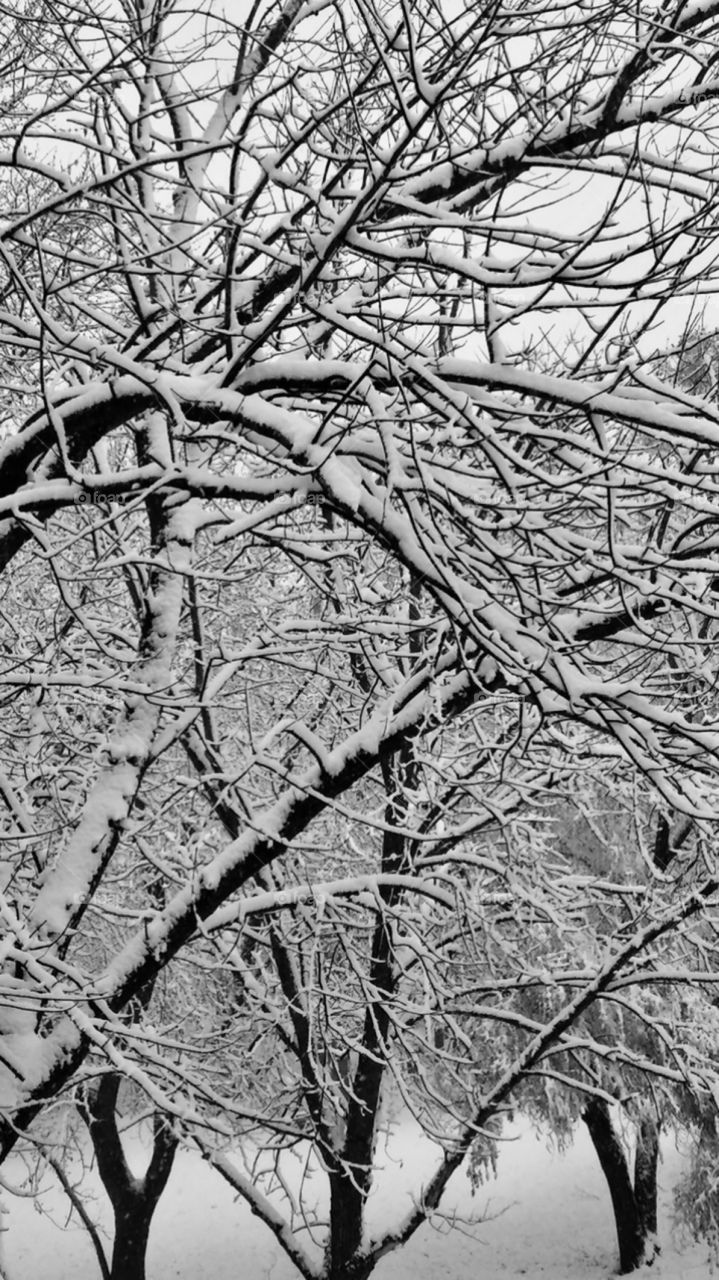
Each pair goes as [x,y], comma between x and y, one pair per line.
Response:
[545,1215]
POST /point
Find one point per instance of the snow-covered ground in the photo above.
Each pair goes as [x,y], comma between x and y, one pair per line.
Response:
[545,1215]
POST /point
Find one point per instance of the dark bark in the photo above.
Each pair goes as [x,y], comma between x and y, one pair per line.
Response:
[346,1205]
[645,1173]
[133,1200]
[631,1229]
[668,841]
[351,1180]
[132,1228]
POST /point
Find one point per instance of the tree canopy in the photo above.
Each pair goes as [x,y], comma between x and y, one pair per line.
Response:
[358,492]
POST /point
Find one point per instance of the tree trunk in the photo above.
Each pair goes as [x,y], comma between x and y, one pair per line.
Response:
[133,1200]
[343,1261]
[132,1228]
[645,1174]
[346,1212]
[631,1227]
[351,1178]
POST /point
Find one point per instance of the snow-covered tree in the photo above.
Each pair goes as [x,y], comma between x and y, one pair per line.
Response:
[343,498]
